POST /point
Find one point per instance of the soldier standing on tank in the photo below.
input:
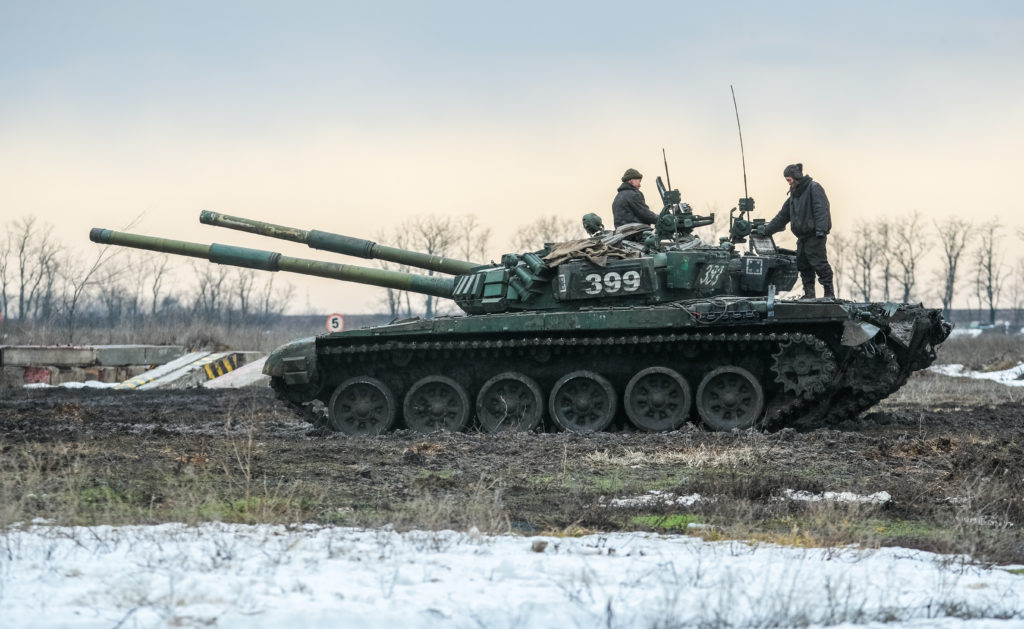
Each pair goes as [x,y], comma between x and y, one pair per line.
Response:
[629,205]
[807,212]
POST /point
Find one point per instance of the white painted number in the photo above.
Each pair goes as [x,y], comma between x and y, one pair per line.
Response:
[612,282]
[631,280]
[335,323]
[711,274]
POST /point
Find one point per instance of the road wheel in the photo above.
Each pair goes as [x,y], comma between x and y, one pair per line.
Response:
[362,406]
[730,397]
[436,403]
[582,401]
[657,399]
[509,401]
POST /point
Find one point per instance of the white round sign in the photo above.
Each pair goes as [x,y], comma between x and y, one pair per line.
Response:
[335,323]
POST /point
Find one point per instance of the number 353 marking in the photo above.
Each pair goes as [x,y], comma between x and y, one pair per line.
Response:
[612,282]
[712,273]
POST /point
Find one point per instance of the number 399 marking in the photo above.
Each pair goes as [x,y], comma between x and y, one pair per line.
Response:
[612,282]
[711,274]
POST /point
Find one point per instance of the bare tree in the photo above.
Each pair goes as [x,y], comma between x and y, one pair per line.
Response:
[156,270]
[840,259]
[209,298]
[1017,293]
[533,236]
[436,236]
[5,250]
[864,254]
[883,236]
[273,302]
[954,234]
[396,301]
[988,260]
[79,282]
[245,279]
[473,239]
[112,291]
[909,244]
[36,267]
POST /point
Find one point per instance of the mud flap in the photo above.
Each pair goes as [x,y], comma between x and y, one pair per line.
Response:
[858,332]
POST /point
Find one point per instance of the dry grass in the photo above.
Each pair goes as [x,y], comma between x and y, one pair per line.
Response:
[928,390]
[985,352]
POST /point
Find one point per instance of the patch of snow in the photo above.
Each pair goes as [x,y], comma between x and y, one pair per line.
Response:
[969,332]
[88,384]
[877,498]
[228,575]
[1013,376]
[654,498]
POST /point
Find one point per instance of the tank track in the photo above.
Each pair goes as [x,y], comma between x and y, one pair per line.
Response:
[863,377]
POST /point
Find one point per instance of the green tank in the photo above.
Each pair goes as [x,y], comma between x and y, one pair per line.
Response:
[653,327]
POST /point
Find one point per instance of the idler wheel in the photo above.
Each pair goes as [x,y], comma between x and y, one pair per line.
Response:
[730,397]
[509,401]
[436,403]
[657,399]
[362,406]
[582,401]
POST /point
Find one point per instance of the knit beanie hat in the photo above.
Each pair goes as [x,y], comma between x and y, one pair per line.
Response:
[795,171]
[631,173]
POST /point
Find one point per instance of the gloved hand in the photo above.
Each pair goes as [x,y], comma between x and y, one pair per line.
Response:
[762,230]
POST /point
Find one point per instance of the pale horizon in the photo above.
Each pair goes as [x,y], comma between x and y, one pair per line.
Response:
[352,119]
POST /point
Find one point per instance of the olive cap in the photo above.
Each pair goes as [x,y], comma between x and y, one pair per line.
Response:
[631,173]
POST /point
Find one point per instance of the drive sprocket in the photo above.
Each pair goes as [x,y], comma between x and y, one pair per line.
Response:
[804,365]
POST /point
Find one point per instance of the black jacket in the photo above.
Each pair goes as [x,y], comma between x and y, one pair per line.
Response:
[629,207]
[806,210]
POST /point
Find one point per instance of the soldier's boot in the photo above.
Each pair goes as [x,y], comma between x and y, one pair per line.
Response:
[830,292]
[808,290]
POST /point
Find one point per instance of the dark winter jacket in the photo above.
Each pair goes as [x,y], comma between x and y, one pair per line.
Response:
[629,207]
[806,210]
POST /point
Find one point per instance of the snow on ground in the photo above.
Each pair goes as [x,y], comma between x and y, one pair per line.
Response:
[88,384]
[969,332]
[269,576]
[1013,377]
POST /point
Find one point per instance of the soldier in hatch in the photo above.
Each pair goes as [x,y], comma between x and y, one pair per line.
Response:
[594,225]
[629,205]
[807,212]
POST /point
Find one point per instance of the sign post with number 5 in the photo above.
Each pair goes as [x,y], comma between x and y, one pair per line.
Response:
[335,323]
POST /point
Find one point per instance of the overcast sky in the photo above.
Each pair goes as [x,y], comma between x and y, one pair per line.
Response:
[351,117]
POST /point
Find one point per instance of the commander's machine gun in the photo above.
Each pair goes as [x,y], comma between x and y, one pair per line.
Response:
[677,220]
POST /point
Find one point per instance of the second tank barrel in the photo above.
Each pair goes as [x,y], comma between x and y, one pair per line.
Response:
[337,243]
[272,261]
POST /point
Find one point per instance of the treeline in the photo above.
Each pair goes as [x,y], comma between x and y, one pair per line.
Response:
[44,281]
[905,258]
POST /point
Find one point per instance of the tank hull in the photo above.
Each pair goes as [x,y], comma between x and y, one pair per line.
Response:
[727,362]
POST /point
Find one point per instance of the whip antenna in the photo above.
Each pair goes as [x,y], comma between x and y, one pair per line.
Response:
[743,157]
[668,179]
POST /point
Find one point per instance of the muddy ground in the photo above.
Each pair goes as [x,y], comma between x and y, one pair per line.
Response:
[954,473]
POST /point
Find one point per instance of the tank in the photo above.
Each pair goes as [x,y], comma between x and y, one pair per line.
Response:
[641,327]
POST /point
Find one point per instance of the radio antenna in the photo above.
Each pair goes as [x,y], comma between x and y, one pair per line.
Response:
[743,157]
[668,180]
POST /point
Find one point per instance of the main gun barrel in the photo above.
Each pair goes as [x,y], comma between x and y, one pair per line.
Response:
[271,261]
[338,243]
